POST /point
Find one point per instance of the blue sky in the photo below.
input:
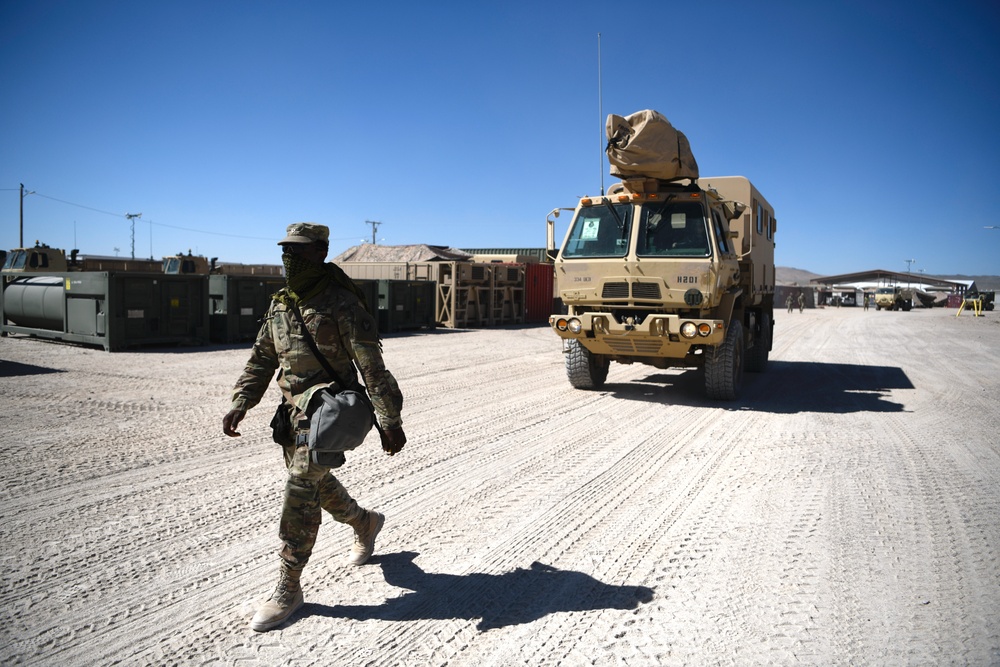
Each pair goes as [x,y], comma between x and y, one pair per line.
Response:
[871,127]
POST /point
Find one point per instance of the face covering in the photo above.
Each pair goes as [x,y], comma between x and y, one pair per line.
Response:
[304,278]
[295,265]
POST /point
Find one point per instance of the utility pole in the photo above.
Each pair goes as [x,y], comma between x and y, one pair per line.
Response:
[908,263]
[374,224]
[23,195]
[132,217]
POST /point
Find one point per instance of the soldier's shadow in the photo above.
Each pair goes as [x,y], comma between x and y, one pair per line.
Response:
[498,600]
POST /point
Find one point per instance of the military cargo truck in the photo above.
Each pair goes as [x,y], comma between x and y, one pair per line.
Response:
[668,272]
[893,298]
[32,260]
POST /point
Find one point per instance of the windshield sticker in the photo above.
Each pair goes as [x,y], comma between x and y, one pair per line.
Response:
[590,227]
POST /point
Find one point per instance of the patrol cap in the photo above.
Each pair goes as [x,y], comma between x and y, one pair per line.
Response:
[306,232]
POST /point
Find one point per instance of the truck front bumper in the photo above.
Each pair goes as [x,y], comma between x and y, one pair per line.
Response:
[670,336]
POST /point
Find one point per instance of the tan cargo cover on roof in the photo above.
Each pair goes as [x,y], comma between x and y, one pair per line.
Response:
[646,144]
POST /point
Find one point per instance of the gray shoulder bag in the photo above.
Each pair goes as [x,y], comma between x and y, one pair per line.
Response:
[340,420]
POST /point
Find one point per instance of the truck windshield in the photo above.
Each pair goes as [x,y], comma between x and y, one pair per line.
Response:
[600,231]
[16,260]
[673,229]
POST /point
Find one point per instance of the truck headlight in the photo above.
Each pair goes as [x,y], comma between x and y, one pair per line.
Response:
[575,326]
[689,330]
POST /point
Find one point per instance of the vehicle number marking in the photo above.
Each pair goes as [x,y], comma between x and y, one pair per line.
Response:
[687,280]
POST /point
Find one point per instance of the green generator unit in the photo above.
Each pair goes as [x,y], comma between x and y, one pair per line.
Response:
[406,304]
[236,305]
[113,310]
[370,289]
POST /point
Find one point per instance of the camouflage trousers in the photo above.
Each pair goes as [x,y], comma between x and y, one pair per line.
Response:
[310,489]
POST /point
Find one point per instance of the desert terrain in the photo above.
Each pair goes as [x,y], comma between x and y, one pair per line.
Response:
[843,511]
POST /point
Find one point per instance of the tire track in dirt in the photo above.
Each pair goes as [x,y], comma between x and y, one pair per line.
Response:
[770,533]
[554,539]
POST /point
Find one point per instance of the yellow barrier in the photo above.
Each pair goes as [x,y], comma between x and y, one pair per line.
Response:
[977,307]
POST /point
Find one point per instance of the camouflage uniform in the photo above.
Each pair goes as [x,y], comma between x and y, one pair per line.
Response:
[343,330]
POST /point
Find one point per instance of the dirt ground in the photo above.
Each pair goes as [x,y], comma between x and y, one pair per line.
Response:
[844,511]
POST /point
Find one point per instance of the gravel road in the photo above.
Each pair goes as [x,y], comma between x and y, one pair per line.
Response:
[844,511]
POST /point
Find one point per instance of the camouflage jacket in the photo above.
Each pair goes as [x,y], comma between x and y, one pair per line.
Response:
[343,330]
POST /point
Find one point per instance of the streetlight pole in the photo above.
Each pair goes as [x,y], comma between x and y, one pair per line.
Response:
[132,217]
[908,262]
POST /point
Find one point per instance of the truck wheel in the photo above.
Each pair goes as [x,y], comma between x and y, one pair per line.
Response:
[584,369]
[724,365]
[758,354]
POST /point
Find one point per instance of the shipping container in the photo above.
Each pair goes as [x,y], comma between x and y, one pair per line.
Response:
[237,304]
[405,305]
[539,290]
[113,310]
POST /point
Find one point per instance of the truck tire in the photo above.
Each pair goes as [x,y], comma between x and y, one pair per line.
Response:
[724,366]
[757,355]
[584,369]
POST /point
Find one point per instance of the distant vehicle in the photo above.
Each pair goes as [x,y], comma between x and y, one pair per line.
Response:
[33,260]
[986,300]
[893,298]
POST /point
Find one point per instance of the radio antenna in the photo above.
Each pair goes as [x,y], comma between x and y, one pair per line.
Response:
[600,111]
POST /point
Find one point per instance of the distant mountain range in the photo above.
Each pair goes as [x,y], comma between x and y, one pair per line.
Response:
[788,276]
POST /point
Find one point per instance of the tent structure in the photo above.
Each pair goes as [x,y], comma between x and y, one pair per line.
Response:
[369,252]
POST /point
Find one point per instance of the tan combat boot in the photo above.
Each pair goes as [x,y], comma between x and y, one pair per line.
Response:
[365,531]
[284,601]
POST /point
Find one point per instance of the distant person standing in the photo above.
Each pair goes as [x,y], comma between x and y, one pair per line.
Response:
[802,301]
[321,302]
[866,302]
[788,302]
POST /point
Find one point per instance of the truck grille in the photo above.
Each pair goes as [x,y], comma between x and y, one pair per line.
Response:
[615,291]
[644,291]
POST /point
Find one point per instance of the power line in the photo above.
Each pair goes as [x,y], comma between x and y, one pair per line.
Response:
[89,208]
[126,216]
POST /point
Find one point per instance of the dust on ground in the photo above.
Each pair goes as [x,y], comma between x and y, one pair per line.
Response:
[843,511]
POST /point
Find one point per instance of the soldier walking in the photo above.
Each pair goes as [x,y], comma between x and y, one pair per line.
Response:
[336,316]
[802,301]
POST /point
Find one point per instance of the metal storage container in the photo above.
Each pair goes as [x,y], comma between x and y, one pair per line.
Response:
[539,293]
[370,289]
[237,303]
[406,304]
[113,310]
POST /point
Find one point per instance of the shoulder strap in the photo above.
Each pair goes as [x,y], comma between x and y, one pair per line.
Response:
[325,363]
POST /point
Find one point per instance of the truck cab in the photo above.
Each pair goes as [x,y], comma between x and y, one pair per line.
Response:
[668,274]
[181,264]
[40,258]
